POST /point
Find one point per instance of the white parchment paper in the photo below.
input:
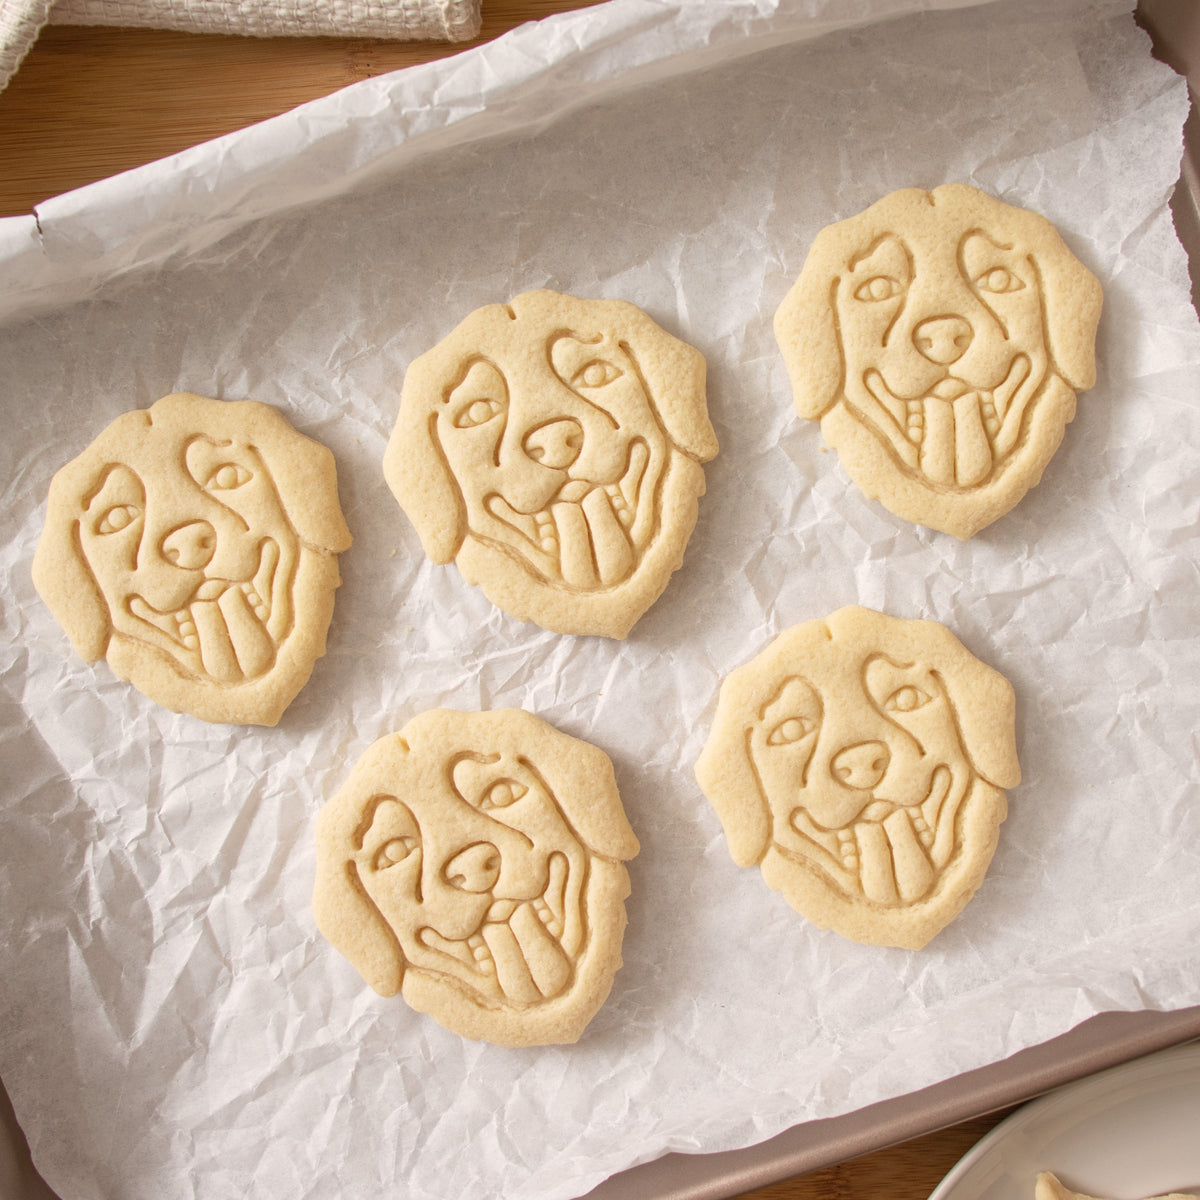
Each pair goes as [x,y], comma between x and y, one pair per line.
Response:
[171,1024]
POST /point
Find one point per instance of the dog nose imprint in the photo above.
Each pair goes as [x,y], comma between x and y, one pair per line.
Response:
[191,546]
[861,766]
[474,869]
[943,340]
[557,444]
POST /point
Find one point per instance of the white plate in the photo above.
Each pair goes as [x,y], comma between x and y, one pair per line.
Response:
[1126,1133]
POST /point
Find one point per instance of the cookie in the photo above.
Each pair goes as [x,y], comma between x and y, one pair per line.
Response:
[860,762]
[940,338]
[553,448]
[474,862]
[194,546]
[1048,1187]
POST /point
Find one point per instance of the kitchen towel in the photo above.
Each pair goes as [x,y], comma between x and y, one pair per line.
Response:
[447,20]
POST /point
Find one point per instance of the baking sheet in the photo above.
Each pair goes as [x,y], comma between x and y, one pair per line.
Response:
[1100,1043]
[1130,1131]
[169,1018]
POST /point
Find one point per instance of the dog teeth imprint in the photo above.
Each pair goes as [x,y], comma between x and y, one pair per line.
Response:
[481,954]
[617,500]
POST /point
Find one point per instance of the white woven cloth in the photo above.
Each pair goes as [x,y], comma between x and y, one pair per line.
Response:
[445,20]
[20,23]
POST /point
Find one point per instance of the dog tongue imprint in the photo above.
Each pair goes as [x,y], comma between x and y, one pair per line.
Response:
[530,964]
[955,449]
[595,549]
[894,867]
[234,643]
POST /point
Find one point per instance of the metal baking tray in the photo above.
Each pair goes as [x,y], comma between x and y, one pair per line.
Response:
[1102,1042]
[1105,1040]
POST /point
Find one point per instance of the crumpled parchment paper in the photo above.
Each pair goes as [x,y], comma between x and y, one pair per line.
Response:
[171,1024]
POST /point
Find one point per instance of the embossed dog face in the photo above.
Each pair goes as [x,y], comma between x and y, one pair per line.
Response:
[194,544]
[860,761]
[553,447]
[474,862]
[481,877]
[941,336]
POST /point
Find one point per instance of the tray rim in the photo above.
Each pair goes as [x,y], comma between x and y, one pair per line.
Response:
[1100,1043]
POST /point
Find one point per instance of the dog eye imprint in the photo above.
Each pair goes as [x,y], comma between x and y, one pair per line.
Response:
[792,714]
[477,412]
[878,287]
[597,373]
[119,517]
[395,851]
[501,794]
[227,477]
[906,699]
[999,280]
[480,395]
[791,730]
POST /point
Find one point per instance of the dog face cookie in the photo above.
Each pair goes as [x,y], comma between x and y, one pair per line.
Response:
[474,862]
[194,545]
[940,338]
[553,448]
[860,762]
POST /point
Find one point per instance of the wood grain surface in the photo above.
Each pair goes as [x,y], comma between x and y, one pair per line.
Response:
[909,1171]
[90,102]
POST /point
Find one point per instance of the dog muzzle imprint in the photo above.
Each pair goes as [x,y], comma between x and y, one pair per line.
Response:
[505,923]
[220,611]
[591,534]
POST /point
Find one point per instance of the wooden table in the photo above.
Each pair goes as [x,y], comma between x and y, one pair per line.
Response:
[89,102]
[909,1171]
